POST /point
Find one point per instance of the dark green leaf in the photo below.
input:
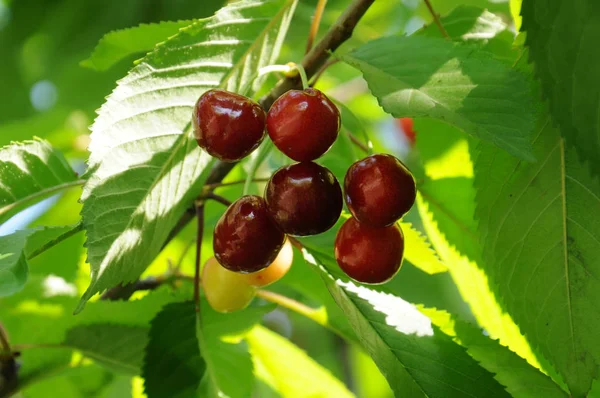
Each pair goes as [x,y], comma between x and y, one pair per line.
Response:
[118,347]
[29,172]
[173,366]
[422,76]
[520,378]
[541,241]
[116,45]
[146,167]
[415,357]
[563,37]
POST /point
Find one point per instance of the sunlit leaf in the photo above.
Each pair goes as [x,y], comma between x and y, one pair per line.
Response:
[415,357]
[146,167]
[418,251]
[29,172]
[292,372]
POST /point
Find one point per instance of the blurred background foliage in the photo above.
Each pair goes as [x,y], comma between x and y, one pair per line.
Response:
[49,94]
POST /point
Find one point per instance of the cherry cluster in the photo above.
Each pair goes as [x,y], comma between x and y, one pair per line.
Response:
[300,199]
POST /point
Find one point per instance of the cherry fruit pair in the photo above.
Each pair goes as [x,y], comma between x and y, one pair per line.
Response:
[303,124]
[369,246]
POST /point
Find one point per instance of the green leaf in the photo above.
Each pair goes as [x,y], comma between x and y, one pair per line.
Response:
[13,262]
[478,26]
[119,44]
[446,204]
[223,357]
[29,172]
[418,251]
[32,316]
[415,357]
[541,238]
[521,379]
[467,23]
[173,366]
[146,167]
[449,81]
[562,37]
[118,347]
[289,370]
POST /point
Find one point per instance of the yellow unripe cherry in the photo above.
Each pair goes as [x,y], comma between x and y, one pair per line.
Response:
[276,270]
[225,291]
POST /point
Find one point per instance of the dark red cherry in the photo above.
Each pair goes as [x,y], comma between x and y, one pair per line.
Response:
[246,238]
[303,124]
[304,198]
[227,125]
[379,189]
[369,254]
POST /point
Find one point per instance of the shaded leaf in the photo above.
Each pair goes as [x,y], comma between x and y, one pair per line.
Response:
[520,378]
[449,81]
[119,44]
[29,172]
[415,357]
[173,366]
[118,347]
[541,239]
[146,167]
[292,372]
[562,37]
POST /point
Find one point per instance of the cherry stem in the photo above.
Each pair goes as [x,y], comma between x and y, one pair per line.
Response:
[367,149]
[314,314]
[237,182]
[200,219]
[289,70]
[314,26]
[320,72]
[217,198]
[261,155]
[4,339]
[436,19]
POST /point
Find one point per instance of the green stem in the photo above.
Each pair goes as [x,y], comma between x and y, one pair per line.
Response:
[40,194]
[261,155]
[77,228]
[311,313]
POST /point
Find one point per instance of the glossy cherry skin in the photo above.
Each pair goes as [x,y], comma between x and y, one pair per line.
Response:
[379,189]
[304,198]
[303,124]
[227,125]
[225,290]
[275,271]
[369,254]
[246,238]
